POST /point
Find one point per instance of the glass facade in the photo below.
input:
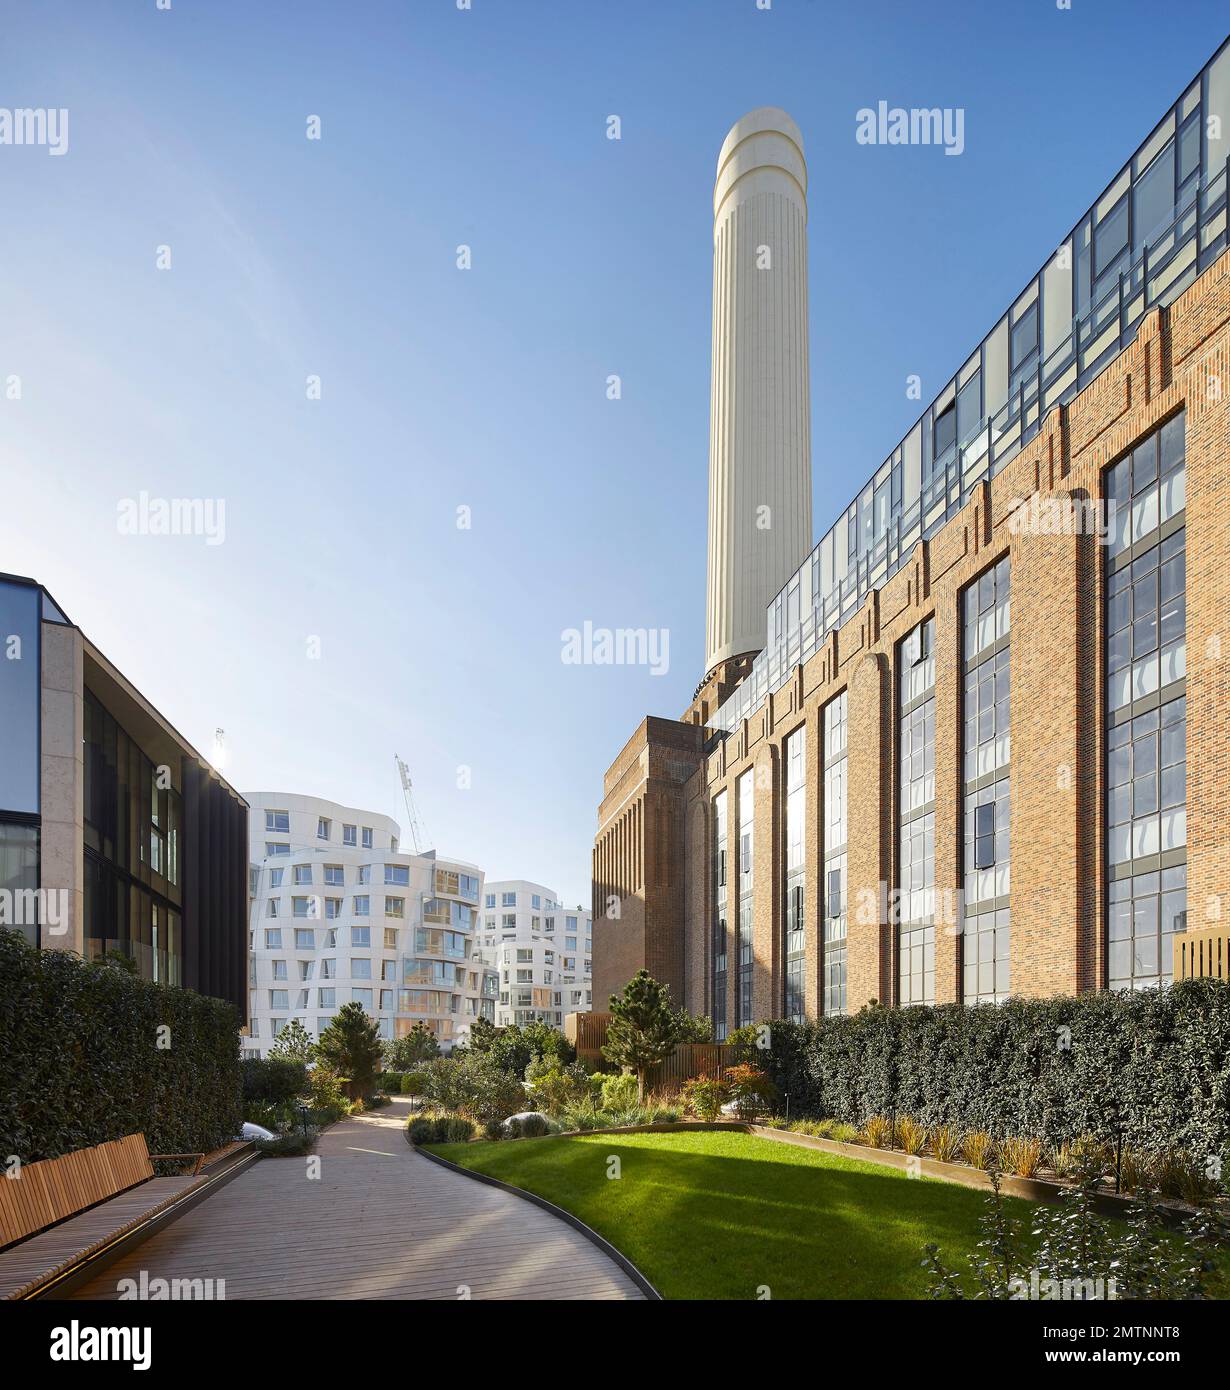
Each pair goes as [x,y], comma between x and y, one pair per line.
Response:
[720,942]
[986,608]
[794,928]
[916,816]
[1159,223]
[1146,664]
[132,825]
[833,903]
[747,850]
[20,660]
[20,648]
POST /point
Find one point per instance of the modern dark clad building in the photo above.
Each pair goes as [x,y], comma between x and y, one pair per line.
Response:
[115,833]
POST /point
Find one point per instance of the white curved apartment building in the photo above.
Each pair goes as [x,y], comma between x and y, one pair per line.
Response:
[339,912]
[542,950]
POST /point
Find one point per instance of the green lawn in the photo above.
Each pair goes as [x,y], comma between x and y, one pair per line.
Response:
[711,1214]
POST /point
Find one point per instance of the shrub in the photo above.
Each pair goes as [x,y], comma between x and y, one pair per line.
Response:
[945,1142]
[376,1102]
[456,1129]
[512,1049]
[585,1118]
[1076,1253]
[1021,1156]
[911,1136]
[663,1114]
[556,1087]
[270,1116]
[326,1096]
[1163,1057]
[751,1090]
[413,1083]
[389,1082]
[704,1096]
[273,1079]
[844,1133]
[474,1085]
[534,1127]
[618,1091]
[877,1132]
[79,1064]
[494,1129]
[292,1144]
[422,1129]
[979,1149]
[512,1128]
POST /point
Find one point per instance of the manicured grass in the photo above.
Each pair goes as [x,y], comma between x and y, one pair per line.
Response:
[712,1214]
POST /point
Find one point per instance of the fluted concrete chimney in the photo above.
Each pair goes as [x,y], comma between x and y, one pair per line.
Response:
[760,412]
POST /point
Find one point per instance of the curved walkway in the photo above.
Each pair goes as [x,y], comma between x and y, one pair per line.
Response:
[380,1221]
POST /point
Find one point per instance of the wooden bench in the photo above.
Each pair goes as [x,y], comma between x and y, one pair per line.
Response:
[59,1212]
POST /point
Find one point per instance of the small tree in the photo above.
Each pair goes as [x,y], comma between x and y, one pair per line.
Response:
[294,1043]
[408,1053]
[644,1028]
[693,1030]
[351,1046]
[482,1035]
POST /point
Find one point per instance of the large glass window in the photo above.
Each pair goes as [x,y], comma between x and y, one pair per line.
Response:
[833,888]
[794,931]
[719,917]
[985,945]
[1146,841]
[916,810]
[132,821]
[19,698]
[746,868]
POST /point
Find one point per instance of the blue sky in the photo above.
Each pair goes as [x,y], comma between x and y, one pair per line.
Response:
[486,388]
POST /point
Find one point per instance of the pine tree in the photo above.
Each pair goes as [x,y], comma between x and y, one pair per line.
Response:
[408,1053]
[351,1046]
[294,1043]
[644,1028]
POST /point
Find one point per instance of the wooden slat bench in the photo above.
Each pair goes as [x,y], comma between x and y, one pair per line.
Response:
[61,1211]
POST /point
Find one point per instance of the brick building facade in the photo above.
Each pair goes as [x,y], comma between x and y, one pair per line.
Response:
[1002,766]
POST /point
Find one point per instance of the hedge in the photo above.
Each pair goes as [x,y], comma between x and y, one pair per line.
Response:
[1162,1056]
[80,1062]
[273,1079]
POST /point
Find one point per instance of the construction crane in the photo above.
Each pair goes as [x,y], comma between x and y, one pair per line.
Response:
[418,831]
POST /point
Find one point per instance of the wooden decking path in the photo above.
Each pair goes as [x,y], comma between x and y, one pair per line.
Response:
[380,1222]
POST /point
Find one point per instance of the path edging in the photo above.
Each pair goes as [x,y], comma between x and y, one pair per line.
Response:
[574,1221]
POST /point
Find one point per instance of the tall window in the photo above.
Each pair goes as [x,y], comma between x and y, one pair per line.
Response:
[796,872]
[987,882]
[719,917]
[916,904]
[1146,662]
[746,851]
[833,889]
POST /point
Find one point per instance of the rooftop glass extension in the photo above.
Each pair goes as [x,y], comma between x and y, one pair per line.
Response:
[1157,225]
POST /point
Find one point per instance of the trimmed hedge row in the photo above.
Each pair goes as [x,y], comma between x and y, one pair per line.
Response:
[80,1062]
[1045,1067]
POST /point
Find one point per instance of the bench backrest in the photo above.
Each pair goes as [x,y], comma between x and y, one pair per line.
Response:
[55,1188]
